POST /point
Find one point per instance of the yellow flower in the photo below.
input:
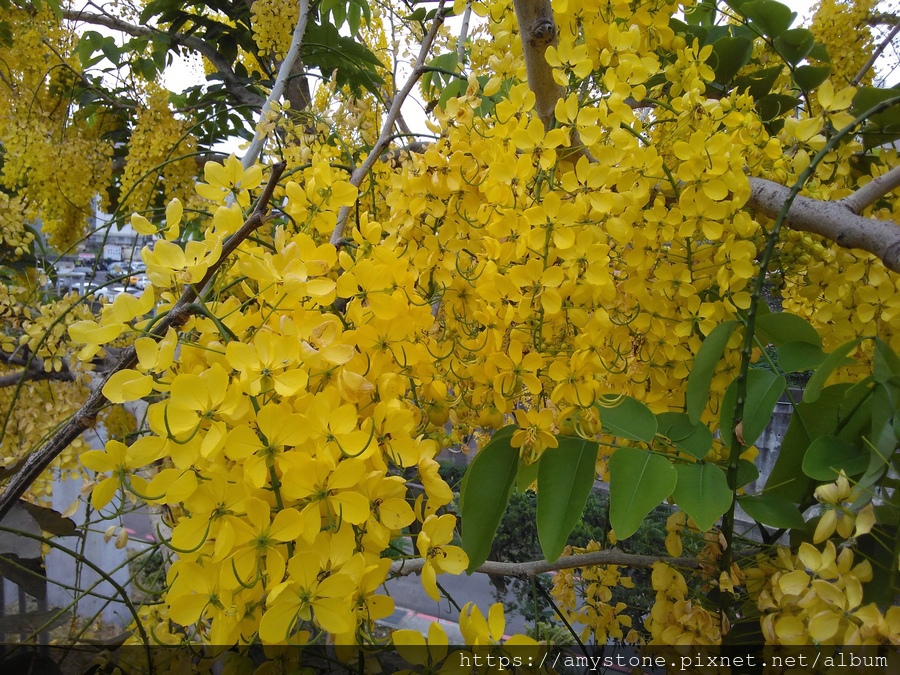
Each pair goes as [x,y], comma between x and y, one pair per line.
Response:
[229,178]
[534,434]
[306,596]
[119,461]
[433,544]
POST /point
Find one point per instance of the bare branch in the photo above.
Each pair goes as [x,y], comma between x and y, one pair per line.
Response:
[38,461]
[234,86]
[875,54]
[34,375]
[527,570]
[883,19]
[832,220]
[384,137]
[284,73]
[463,34]
[872,191]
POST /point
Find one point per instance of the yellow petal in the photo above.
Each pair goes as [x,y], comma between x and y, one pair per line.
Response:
[127,385]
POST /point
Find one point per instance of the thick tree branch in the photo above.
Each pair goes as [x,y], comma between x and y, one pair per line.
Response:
[387,128]
[538,31]
[38,461]
[527,570]
[832,220]
[234,86]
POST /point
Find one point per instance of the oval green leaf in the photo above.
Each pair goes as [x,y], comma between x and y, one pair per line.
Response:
[795,357]
[808,78]
[764,388]
[773,18]
[694,439]
[729,55]
[781,327]
[702,492]
[626,417]
[639,481]
[823,372]
[795,44]
[705,367]
[565,479]
[773,511]
[485,494]
[827,456]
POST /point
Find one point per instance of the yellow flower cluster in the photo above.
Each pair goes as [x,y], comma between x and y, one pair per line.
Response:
[160,162]
[675,618]
[843,27]
[816,596]
[273,24]
[54,164]
[585,596]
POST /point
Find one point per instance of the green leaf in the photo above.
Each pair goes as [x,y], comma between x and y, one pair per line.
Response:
[625,417]
[809,78]
[694,439]
[771,17]
[795,45]
[729,55]
[886,364]
[702,13]
[485,494]
[795,357]
[868,97]
[702,492]
[764,388]
[827,456]
[781,327]
[808,422]
[823,372]
[527,474]
[759,83]
[820,53]
[565,479]
[639,481]
[773,511]
[705,367]
[775,105]
[746,473]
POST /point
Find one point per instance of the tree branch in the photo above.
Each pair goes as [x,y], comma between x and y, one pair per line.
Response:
[527,570]
[883,19]
[35,375]
[234,86]
[37,462]
[538,31]
[833,220]
[875,54]
[384,138]
[872,191]
[284,73]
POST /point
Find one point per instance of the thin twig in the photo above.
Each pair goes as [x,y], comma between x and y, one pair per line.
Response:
[387,128]
[527,570]
[38,461]
[235,86]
